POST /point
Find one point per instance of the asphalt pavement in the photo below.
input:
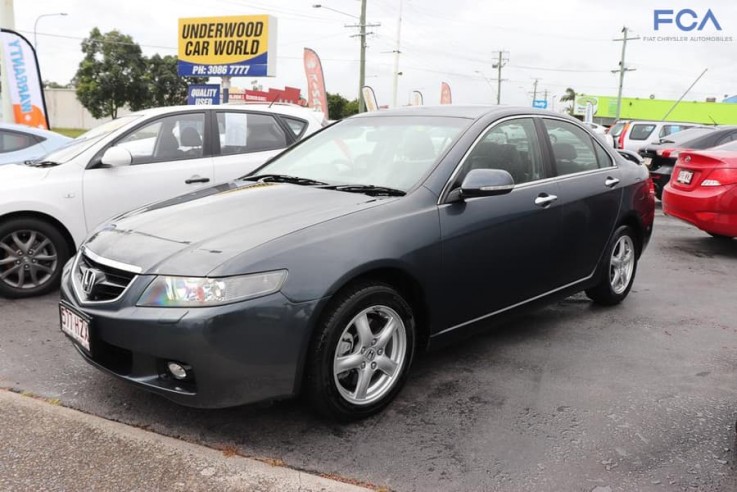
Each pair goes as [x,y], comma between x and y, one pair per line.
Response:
[642,396]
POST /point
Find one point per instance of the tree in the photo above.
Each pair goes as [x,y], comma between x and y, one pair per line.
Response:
[111,75]
[569,96]
[50,84]
[165,86]
[339,107]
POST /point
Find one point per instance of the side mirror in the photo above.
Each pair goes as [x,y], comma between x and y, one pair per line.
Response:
[483,182]
[116,157]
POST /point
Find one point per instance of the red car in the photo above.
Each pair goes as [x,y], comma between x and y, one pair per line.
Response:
[703,191]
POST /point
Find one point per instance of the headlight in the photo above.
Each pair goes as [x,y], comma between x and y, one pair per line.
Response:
[204,291]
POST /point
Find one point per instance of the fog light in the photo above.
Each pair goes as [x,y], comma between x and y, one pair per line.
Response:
[177,370]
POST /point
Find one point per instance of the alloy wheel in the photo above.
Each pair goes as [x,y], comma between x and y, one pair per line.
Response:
[622,264]
[28,259]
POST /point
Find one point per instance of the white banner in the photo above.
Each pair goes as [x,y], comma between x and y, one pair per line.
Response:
[24,79]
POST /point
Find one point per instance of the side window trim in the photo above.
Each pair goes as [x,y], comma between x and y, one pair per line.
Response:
[206,150]
[291,136]
[448,187]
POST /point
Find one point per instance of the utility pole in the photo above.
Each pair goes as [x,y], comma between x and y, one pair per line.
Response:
[534,90]
[362,69]
[395,84]
[546,98]
[622,68]
[502,60]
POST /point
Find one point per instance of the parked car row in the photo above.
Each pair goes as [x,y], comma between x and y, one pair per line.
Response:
[49,205]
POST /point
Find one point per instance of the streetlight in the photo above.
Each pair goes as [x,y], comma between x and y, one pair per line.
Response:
[320,6]
[35,41]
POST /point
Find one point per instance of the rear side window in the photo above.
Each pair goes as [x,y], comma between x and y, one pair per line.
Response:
[573,148]
[242,132]
[669,129]
[641,131]
[616,129]
[297,126]
[727,138]
[12,141]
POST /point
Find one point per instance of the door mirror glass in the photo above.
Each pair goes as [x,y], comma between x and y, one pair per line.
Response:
[485,182]
[116,157]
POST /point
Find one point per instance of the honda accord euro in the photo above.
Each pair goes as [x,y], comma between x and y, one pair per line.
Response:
[327,269]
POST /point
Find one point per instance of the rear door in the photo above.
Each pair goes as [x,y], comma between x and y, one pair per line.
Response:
[590,196]
[244,140]
[500,250]
[170,157]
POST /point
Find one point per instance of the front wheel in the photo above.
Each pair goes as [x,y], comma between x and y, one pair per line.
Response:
[32,254]
[619,268]
[362,352]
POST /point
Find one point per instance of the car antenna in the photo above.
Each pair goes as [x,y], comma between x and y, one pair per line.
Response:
[274,100]
[713,121]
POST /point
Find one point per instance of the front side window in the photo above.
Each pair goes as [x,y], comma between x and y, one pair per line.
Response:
[167,139]
[641,132]
[511,146]
[573,148]
[242,132]
[13,141]
[388,151]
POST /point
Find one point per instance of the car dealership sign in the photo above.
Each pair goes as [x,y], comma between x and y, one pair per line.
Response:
[232,46]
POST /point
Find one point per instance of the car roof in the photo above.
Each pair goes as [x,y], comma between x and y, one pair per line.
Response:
[461,111]
[264,107]
[28,129]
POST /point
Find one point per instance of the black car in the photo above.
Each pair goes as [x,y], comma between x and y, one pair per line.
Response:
[661,157]
[328,268]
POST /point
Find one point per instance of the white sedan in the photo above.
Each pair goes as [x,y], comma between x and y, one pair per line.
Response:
[48,206]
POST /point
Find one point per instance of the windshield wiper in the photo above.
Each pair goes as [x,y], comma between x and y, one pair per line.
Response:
[41,163]
[283,178]
[368,189]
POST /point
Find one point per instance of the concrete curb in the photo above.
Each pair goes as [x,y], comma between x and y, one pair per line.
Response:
[50,447]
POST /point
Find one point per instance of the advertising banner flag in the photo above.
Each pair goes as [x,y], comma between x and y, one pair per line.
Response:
[228,46]
[369,97]
[317,97]
[203,94]
[417,99]
[24,78]
[445,97]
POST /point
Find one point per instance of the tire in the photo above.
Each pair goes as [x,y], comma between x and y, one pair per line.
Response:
[615,283]
[366,386]
[32,255]
[720,237]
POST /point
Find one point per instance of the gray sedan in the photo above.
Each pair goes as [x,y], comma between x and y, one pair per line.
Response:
[328,268]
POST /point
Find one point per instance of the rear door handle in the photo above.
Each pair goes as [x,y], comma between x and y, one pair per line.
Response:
[543,199]
[196,179]
[611,182]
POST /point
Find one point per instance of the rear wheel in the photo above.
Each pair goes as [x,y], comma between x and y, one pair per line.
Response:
[618,271]
[720,236]
[32,254]
[362,352]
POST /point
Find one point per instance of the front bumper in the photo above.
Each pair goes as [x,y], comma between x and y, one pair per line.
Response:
[239,353]
[711,209]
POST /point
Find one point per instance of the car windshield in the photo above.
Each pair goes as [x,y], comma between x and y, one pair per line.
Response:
[686,135]
[87,140]
[387,151]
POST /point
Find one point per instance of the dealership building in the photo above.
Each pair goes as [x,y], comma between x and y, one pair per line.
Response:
[706,112]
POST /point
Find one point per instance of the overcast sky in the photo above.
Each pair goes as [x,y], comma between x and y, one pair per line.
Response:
[563,43]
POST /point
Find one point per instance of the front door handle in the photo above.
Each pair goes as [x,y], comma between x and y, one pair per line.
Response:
[611,182]
[196,179]
[543,199]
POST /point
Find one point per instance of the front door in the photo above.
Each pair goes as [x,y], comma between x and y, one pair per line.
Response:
[499,251]
[168,159]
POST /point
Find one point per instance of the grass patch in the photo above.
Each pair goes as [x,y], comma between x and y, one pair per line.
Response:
[70,132]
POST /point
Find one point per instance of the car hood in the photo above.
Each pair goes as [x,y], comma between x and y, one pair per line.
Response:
[195,233]
[12,174]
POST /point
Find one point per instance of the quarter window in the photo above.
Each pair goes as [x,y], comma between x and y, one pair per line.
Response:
[297,126]
[242,132]
[573,148]
[166,139]
[511,146]
[12,141]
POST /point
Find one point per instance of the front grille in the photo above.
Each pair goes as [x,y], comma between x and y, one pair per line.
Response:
[95,281]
